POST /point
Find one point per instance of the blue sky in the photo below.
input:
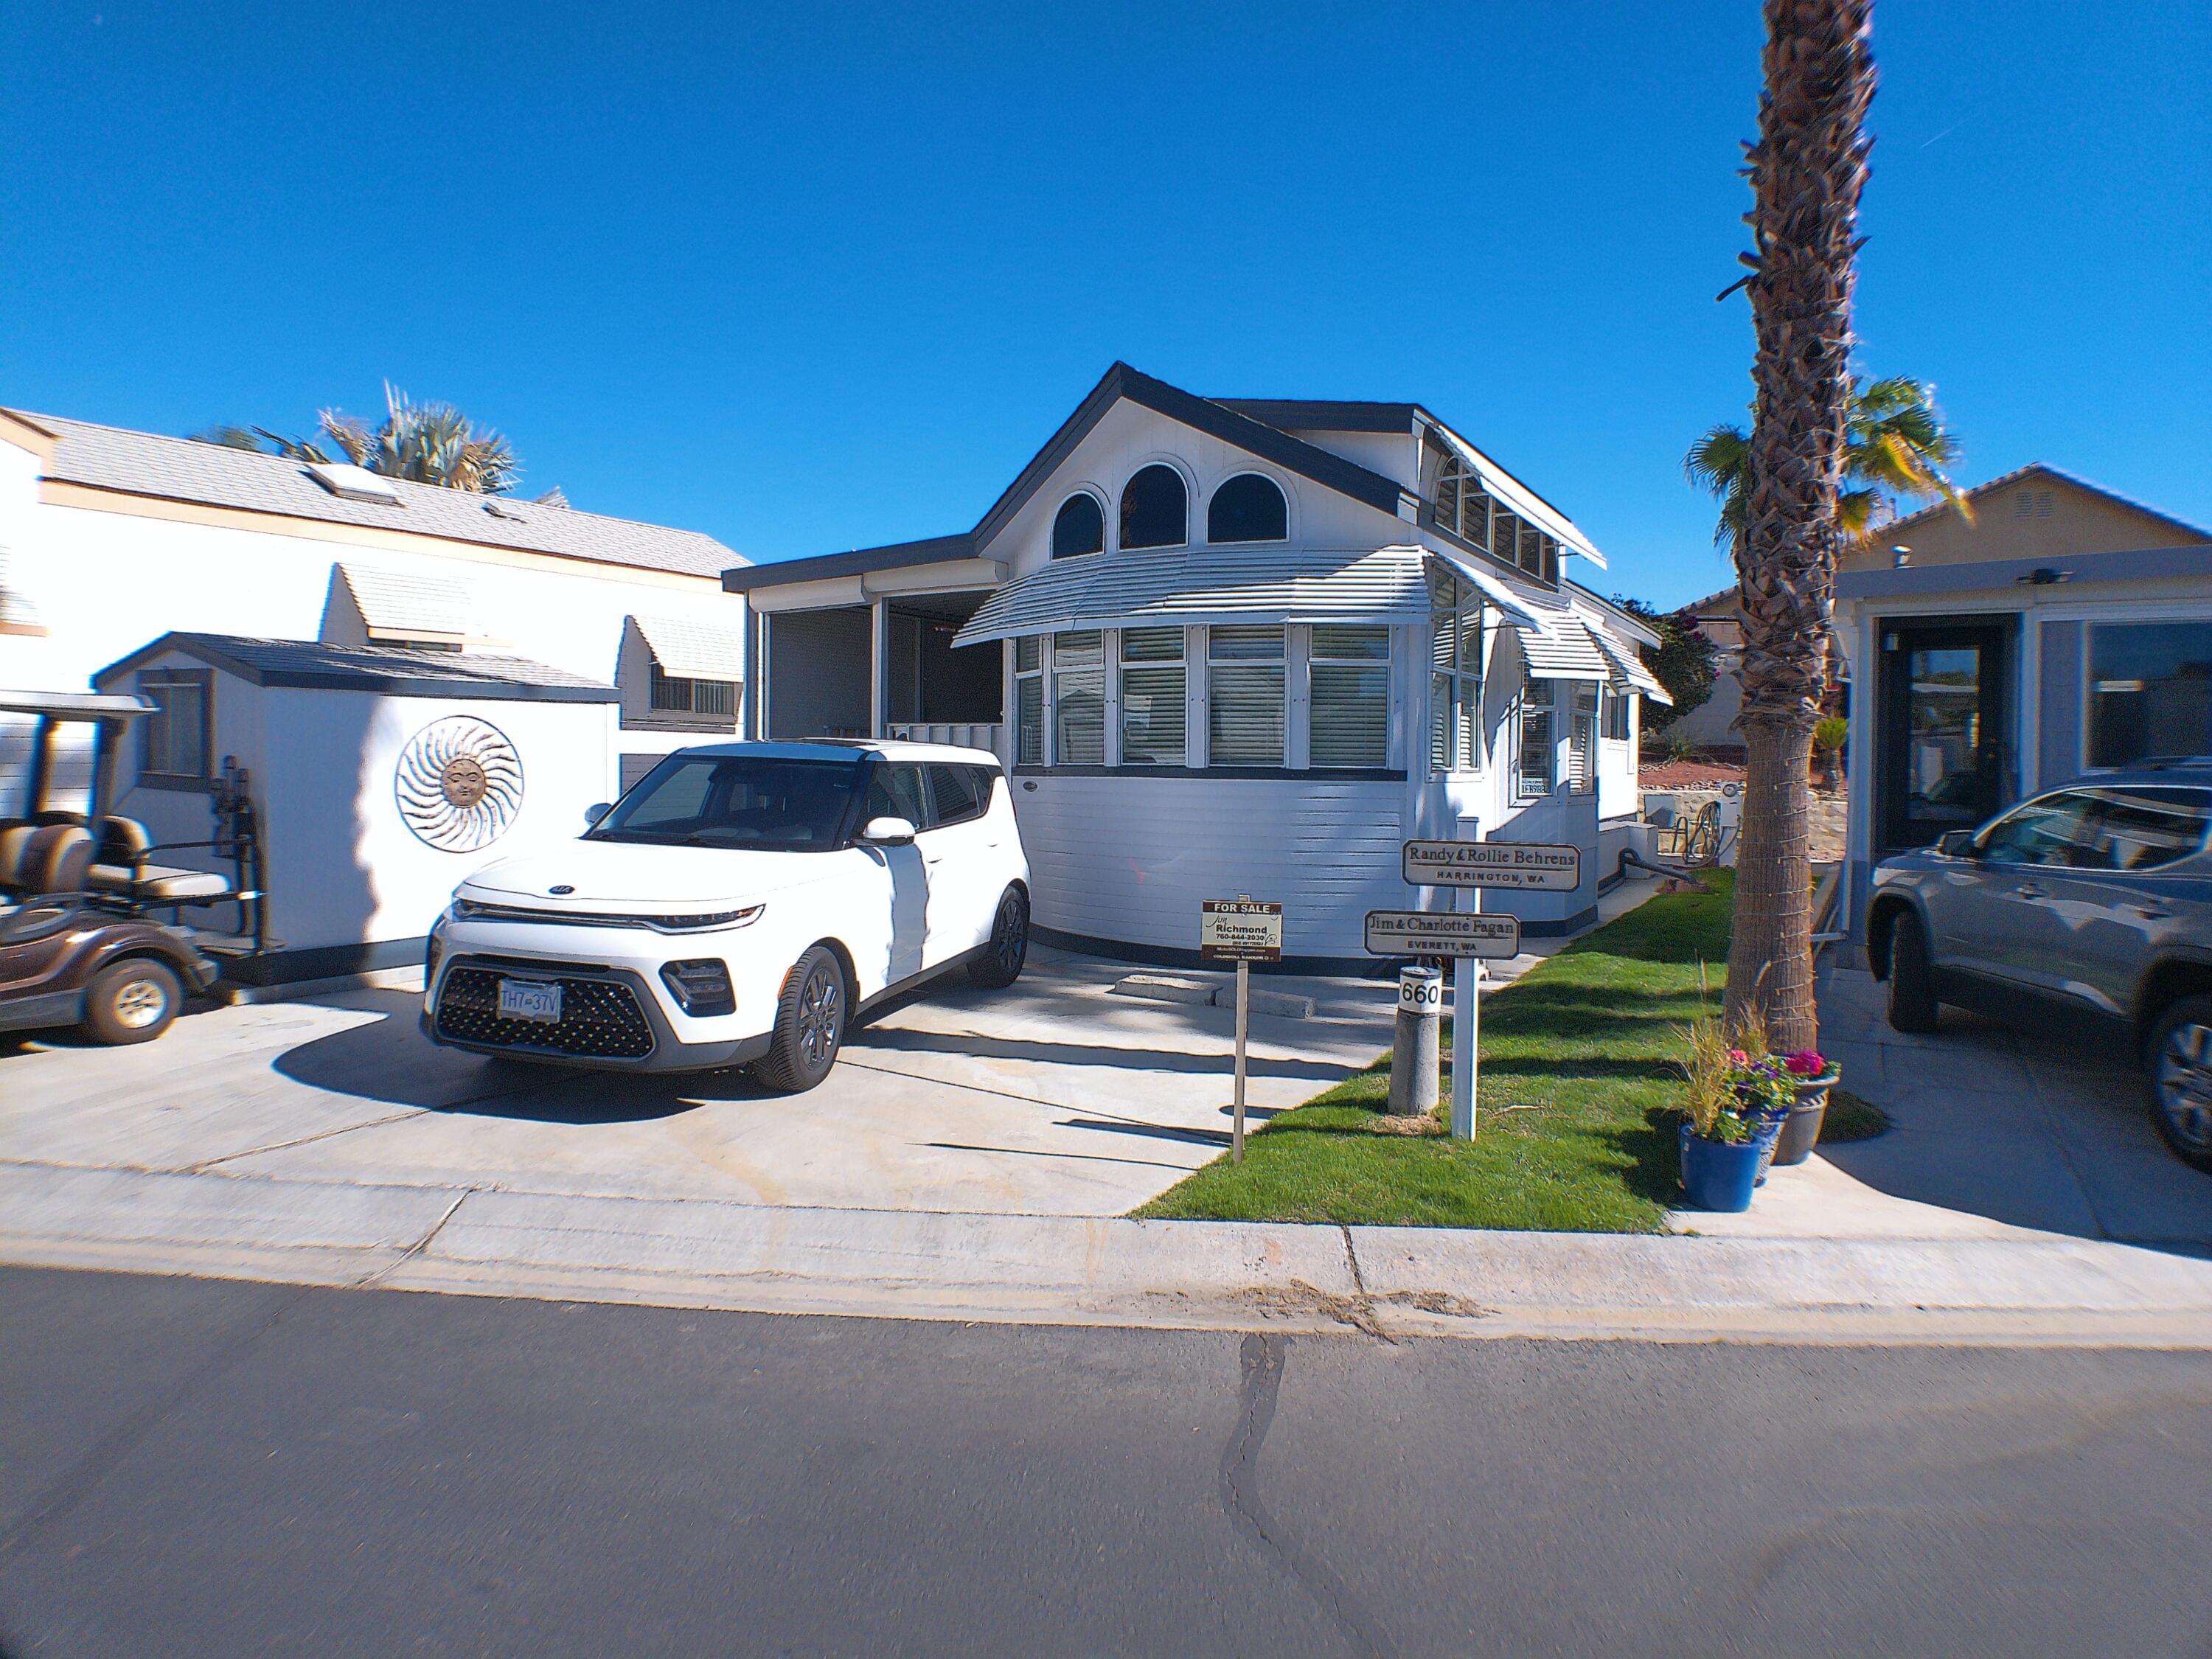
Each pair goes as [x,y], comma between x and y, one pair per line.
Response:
[811,277]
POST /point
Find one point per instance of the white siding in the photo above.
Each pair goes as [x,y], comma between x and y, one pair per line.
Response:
[1132,858]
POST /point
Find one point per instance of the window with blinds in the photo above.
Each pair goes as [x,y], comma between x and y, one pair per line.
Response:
[1079,698]
[1348,710]
[1537,769]
[674,692]
[1582,747]
[1244,696]
[1152,697]
[1613,719]
[1029,702]
[1454,677]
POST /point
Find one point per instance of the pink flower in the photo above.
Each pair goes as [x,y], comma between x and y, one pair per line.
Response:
[1807,1062]
[1737,1057]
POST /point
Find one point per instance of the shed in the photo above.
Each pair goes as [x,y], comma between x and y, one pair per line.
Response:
[377,777]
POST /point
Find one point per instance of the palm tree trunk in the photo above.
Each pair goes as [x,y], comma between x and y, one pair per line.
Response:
[1806,172]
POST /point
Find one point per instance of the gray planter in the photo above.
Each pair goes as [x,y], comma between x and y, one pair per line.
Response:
[1800,1130]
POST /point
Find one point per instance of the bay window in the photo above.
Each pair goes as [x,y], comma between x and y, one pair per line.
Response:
[1349,679]
[1244,696]
[1079,698]
[1152,697]
[1028,701]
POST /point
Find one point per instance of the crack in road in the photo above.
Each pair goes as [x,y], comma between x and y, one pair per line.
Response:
[1259,1360]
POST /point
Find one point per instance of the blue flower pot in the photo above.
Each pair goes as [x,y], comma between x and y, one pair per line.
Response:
[1719,1175]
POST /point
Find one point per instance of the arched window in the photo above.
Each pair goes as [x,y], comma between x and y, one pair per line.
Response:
[1080,527]
[1248,508]
[1155,509]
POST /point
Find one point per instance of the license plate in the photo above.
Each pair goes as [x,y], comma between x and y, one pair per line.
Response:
[530,999]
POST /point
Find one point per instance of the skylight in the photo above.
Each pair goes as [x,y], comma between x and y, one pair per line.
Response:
[350,482]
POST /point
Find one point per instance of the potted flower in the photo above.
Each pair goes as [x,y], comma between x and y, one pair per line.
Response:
[1812,1076]
[1733,1102]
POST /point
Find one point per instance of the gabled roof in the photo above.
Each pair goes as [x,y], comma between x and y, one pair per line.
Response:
[2051,471]
[390,670]
[1120,383]
[147,464]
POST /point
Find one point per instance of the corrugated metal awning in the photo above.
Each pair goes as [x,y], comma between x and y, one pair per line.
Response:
[1629,673]
[1560,648]
[693,650]
[1518,498]
[410,604]
[1522,610]
[1207,584]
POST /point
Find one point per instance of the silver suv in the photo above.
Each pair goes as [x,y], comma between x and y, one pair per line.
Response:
[2089,908]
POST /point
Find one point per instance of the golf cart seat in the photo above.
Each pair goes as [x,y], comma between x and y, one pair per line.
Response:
[122,869]
[49,857]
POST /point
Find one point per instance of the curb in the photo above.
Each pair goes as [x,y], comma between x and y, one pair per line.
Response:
[1389,1283]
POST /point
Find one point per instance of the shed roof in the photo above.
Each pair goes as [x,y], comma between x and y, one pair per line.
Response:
[146,463]
[390,670]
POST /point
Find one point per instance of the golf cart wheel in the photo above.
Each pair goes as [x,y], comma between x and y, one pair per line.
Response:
[131,1001]
[1008,947]
[809,1024]
[2180,1064]
[1912,1004]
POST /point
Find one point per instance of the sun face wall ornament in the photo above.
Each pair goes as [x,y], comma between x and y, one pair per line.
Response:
[459,784]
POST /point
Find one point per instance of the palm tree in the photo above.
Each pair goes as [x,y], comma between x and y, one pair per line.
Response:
[1895,448]
[1807,170]
[431,443]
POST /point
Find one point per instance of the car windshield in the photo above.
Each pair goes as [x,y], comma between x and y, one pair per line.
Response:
[758,800]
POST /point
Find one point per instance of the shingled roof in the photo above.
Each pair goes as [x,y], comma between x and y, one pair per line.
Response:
[145,463]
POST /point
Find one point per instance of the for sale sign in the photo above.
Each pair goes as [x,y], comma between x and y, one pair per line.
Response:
[1527,866]
[1240,930]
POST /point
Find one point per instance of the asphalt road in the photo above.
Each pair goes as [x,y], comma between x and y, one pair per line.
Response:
[195,1467]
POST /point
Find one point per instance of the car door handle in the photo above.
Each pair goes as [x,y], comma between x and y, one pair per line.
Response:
[2028,890]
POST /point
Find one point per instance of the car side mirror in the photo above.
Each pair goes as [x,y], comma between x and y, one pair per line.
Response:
[597,810]
[1957,844]
[887,832]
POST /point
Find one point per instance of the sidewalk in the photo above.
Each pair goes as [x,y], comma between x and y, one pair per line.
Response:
[1387,1282]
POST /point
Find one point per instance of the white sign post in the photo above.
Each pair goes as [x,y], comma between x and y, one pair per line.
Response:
[1243,930]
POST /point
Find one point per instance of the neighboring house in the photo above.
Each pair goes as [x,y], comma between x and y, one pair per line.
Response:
[1710,724]
[1230,646]
[2065,629]
[110,538]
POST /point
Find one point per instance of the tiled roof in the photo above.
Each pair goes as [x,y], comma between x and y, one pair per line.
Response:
[185,470]
[393,671]
[2048,471]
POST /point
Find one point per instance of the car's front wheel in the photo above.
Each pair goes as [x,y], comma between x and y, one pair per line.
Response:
[2180,1055]
[809,1024]
[132,1001]
[1008,947]
[1912,1005]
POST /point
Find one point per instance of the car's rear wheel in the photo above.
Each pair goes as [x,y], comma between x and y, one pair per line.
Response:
[809,1024]
[1912,1005]
[131,1001]
[2180,1056]
[1008,947]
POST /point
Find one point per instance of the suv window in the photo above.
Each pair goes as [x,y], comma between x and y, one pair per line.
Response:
[958,793]
[2052,829]
[895,791]
[2140,827]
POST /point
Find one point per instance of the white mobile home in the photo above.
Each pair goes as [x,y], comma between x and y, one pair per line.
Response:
[1233,646]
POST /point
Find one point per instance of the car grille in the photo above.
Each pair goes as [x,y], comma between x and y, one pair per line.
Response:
[598,1017]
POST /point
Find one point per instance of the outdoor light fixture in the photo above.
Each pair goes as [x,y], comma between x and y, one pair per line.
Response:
[1900,556]
[2044,576]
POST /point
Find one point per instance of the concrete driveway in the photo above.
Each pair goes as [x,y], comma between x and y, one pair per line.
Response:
[1053,1098]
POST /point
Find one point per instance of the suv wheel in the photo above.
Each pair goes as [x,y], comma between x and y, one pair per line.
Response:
[809,1024]
[1912,1005]
[131,1001]
[2180,1056]
[1008,947]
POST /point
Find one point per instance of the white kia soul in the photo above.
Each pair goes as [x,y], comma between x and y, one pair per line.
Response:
[738,906]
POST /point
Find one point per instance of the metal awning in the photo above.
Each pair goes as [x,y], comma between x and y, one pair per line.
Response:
[410,604]
[1197,585]
[1560,648]
[1522,610]
[1629,672]
[693,650]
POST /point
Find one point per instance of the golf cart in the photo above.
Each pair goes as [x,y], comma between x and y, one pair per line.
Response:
[79,943]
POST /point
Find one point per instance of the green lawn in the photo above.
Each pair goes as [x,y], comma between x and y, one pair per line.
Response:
[1585,1041]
